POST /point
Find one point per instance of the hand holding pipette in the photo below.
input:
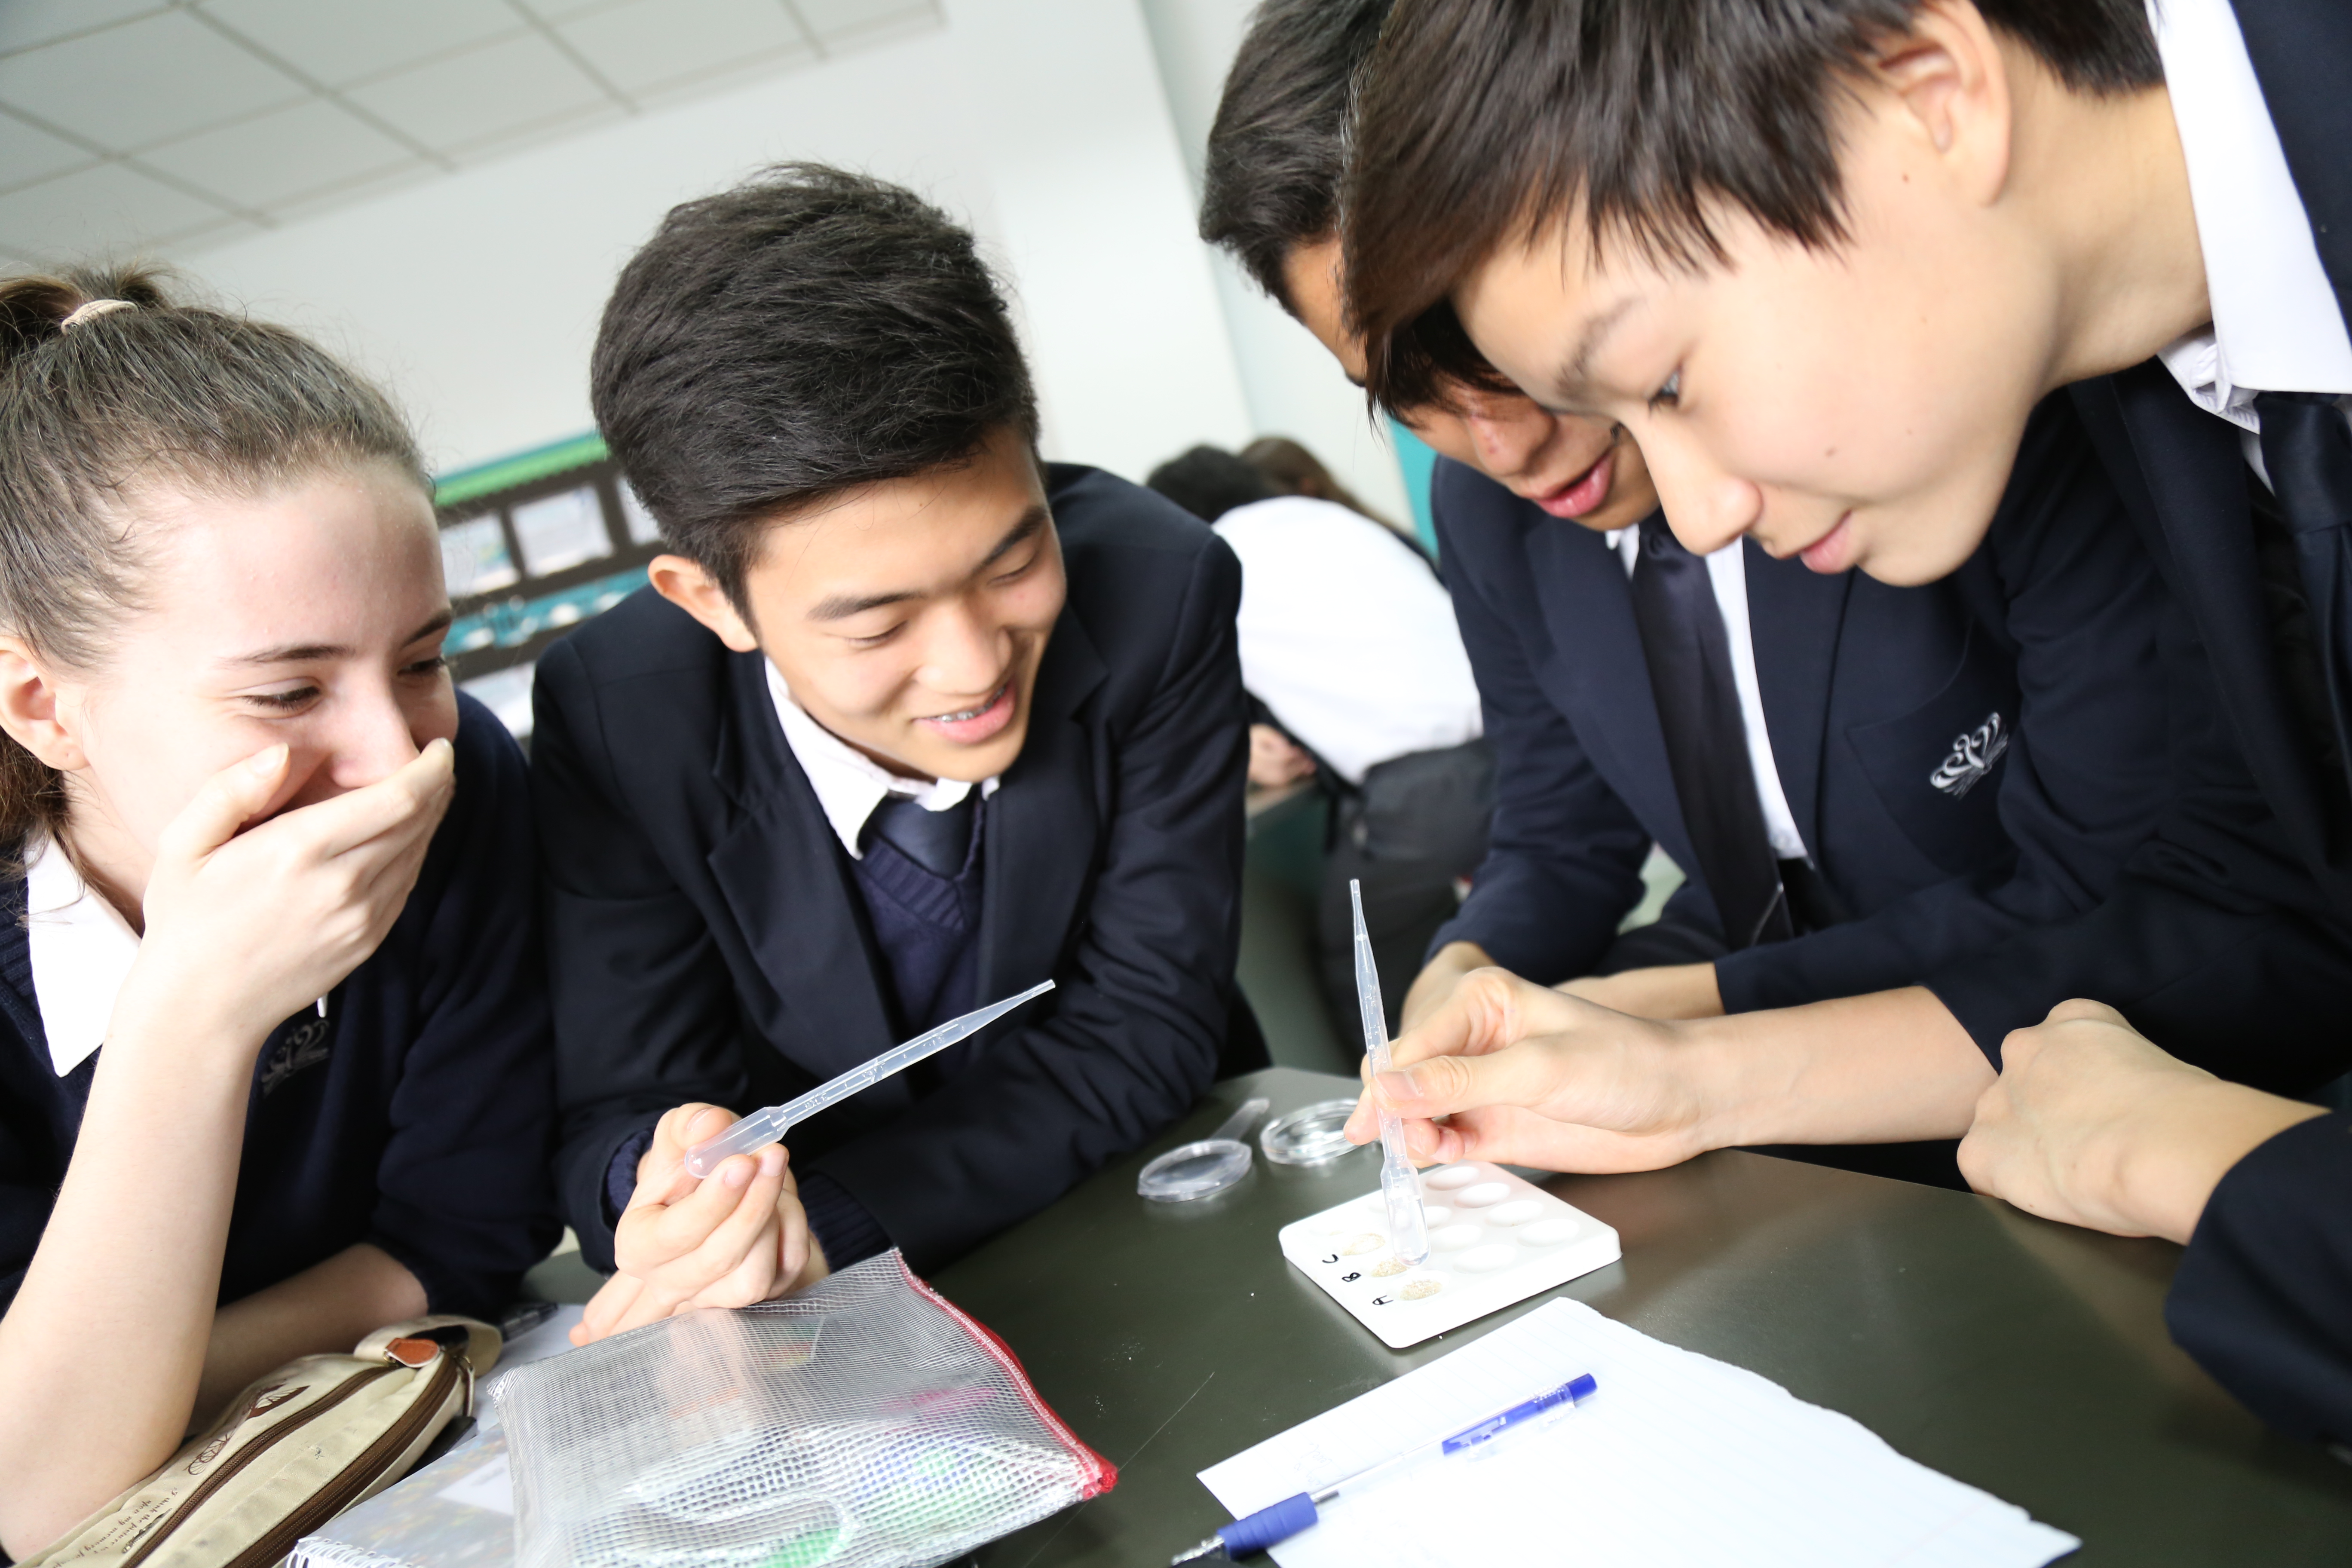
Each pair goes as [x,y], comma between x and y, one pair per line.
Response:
[732,1233]
[1400,1182]
[769,1126]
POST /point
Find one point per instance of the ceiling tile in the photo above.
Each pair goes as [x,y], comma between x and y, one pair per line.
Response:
[644,45]
[846,21]
[29,154]
[109,207]
[481,93]
[142,82]
[25,22]
[285,153]
[338,41]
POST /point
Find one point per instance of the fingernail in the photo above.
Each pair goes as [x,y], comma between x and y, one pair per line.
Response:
[1398,1088]
[738,1173]
[269,761]
[772,1160]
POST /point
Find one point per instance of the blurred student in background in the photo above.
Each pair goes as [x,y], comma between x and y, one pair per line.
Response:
[1347,642]
[1863,783]
[910,720]
[273,1036]
[1293,470]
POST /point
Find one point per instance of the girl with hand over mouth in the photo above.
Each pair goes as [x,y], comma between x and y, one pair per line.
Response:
[273,1064]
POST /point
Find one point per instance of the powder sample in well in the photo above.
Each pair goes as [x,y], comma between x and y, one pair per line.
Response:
[1419,1288]
[1386,1266]
[1357,1245]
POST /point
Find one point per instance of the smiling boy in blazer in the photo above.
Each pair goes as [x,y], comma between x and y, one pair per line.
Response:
[910,720]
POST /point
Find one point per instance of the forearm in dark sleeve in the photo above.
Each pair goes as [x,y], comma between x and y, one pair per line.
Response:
[2264,1297]
[1563,854]
[644,1007]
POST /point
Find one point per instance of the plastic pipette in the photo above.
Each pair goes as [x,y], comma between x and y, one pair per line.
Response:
[762,1127]
[1400,1182]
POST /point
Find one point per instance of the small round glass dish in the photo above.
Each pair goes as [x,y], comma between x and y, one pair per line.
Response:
[1205,1167]
[1312,1135]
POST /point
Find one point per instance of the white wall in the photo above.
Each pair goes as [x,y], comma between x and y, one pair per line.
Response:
[1040,121]
[1293,386]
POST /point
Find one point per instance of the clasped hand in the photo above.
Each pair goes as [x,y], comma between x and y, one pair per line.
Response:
[730,1239]
[1524,1075]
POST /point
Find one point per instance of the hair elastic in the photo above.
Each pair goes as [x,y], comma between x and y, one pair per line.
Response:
[94,308]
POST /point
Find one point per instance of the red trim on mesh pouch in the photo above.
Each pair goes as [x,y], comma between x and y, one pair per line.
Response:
[1101,1474]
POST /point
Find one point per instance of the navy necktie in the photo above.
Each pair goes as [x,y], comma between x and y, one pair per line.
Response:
[938,841]
[1690,654]
[2307,447]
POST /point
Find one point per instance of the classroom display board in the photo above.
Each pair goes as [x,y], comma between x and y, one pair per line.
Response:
[532,547]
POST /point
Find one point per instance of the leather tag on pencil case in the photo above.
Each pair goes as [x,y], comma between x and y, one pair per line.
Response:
[318,1435]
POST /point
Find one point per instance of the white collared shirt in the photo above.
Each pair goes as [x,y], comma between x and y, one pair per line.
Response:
[81,949]
[2276,324]
[1347,636]
[849,784]
[1727,573]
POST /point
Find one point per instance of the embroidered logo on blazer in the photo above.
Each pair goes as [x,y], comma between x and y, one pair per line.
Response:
[1973,755]
[305,1046]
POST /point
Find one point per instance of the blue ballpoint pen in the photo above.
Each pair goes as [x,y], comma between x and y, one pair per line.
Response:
[1279,1521]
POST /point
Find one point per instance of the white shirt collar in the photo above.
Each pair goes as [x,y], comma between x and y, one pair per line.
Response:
[849,784]
[2276,326]
[82,951]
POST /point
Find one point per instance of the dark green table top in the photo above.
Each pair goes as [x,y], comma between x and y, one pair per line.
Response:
[2026,1358]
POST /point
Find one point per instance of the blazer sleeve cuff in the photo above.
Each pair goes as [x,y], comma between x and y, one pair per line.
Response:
[843,1227]
[2263,1299]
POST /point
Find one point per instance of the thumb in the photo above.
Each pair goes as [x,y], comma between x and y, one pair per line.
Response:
[1441,1086]
[229,799]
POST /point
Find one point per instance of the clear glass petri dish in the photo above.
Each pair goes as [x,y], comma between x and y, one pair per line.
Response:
[1311,1135]
[1194,1171]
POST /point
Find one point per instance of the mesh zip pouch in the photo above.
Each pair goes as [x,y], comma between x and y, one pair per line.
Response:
[863,1423]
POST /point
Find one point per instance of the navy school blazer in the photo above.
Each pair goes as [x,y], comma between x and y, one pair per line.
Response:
[2229,939]
[707,941]
[418,1116]
[1868,691]
[2238,911]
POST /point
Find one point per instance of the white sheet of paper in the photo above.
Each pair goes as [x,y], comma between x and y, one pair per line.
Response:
[1677,1458]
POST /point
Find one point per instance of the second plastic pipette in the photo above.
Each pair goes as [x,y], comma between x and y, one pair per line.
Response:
[1400,1182]
[762,1127]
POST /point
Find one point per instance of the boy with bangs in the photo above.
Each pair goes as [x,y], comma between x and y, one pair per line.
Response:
[1788,738]
[1821,261]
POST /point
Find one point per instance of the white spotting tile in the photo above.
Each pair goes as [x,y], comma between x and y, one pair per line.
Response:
[1676,1460]
[1494,1238]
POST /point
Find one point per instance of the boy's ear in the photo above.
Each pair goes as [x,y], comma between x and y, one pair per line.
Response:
[1949,72]
[29,709]
[685,584]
